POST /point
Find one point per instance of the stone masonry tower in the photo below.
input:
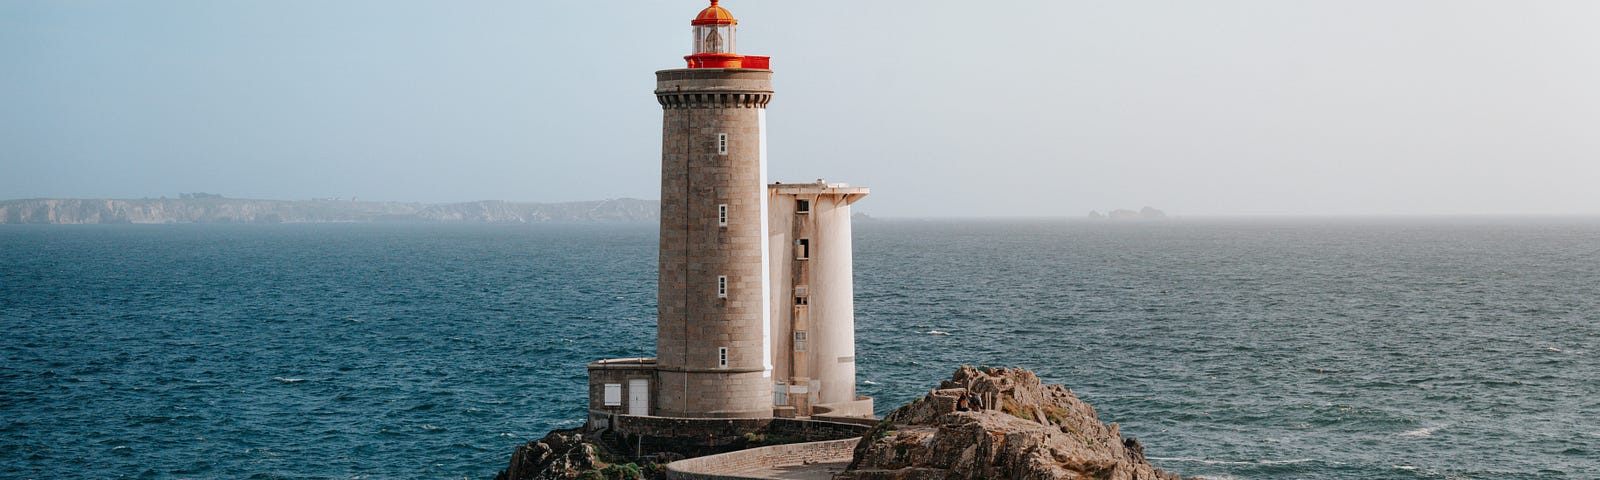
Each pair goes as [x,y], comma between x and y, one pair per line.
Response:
[713,343]
[755,310]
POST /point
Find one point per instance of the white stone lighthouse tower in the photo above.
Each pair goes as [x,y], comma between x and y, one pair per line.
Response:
[713,343]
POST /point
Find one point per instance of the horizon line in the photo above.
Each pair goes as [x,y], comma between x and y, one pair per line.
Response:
[1075,217]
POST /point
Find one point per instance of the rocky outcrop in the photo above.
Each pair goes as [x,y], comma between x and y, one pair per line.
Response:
[566,455]
[1028,431]
[216,209]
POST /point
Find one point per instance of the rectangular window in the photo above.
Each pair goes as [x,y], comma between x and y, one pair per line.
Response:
[800,336]
[801,300]
[722,144]
[802,249]
[722,286]
[613,396]
[722,215]
[722,357]
[802,206]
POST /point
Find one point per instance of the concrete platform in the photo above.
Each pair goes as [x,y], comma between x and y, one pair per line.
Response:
[814,471]
[793,461]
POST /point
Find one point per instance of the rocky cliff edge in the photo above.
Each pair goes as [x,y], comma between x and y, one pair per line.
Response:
[1024,430]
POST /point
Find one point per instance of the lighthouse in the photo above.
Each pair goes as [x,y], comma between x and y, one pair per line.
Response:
[713,338]
[755,312]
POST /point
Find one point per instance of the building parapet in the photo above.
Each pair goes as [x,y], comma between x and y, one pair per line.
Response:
[622,363]
[817,189]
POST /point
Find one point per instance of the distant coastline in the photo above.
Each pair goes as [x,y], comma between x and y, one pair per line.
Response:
[205,208]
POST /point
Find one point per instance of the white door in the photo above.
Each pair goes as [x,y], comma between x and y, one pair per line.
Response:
[639,397]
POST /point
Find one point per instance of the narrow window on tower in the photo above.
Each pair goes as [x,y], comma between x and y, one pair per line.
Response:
[722,144]
[802,206]
[722,357]
[802,249]
[722,215]
[722,286]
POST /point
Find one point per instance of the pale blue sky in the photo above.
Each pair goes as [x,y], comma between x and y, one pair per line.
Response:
[944,108]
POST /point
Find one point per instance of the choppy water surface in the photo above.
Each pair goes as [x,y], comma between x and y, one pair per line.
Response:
[1332,349]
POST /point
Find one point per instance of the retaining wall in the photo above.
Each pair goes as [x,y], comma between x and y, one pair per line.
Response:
[865,422]
[860,407]
[695,437]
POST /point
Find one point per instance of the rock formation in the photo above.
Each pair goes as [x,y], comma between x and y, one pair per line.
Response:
[1025,430]
[570,455]
[561,454]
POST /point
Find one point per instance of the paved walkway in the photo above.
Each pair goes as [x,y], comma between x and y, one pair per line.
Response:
[815,471]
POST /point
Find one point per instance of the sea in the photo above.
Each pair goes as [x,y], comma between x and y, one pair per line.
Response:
[1250,348]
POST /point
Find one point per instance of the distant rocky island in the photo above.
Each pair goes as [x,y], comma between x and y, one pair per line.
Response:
[1145,213]
[212,208]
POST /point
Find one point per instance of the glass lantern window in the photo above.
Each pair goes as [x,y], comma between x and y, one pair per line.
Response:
[713,39]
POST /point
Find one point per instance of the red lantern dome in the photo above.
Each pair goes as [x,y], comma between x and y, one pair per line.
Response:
[715,15]
[715,32]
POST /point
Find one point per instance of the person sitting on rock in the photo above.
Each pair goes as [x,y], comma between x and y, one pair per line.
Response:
[962,404]
[975,401]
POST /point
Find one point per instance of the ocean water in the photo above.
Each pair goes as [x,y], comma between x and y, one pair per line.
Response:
[1250,349]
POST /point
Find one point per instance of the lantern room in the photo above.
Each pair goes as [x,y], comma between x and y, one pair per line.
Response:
[715,32]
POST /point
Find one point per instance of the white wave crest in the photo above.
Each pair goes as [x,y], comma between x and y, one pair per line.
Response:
[1231,462]
[289,379]
[1421,432]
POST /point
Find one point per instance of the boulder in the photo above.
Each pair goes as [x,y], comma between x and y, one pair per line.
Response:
[1022,429]
[560,455]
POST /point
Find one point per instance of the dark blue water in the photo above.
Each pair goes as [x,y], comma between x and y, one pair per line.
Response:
[1334,349]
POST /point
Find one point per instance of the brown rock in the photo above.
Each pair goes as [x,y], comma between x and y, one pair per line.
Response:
[562,454]
[1026,431]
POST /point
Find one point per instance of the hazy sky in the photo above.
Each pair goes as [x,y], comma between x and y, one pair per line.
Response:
[944,108]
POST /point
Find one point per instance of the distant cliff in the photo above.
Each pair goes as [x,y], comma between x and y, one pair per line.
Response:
[215,209]
[1145,213]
